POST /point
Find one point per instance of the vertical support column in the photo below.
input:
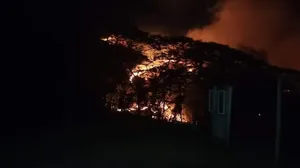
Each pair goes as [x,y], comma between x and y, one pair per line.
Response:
[228,112]
[278,119]
[215,104]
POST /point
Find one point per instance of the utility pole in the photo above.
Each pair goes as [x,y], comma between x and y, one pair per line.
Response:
[278,119]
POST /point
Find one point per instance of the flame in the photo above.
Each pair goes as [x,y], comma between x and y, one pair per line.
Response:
[156,57]
[168,112]
[144,108]
[190,69]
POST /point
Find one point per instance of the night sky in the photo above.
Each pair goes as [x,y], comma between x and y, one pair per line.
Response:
[271,25]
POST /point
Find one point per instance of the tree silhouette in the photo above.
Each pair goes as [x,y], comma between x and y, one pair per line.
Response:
[259,54]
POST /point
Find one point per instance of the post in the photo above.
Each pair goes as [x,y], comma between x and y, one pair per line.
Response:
[278,120]
[228,111]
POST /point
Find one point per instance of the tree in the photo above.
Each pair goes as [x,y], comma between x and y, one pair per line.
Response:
[141,91]
[259,54]
[106,67]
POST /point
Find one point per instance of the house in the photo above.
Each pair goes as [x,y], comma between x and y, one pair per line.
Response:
[245,112]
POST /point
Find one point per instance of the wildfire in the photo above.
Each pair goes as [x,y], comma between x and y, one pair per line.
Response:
[156,57]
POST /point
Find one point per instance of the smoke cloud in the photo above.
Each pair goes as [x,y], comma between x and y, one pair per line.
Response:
[173,17]
[271,25]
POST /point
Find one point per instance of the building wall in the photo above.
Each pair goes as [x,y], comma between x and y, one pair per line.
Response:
[290,140]
[253,122]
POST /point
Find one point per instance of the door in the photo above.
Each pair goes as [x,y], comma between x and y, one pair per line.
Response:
[220,110]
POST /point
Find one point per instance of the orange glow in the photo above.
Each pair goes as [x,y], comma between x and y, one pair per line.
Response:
[272,26]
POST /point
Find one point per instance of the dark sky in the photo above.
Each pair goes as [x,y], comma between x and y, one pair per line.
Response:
[271,25]
[173,17]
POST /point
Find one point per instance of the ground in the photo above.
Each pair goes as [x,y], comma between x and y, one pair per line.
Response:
[127,141]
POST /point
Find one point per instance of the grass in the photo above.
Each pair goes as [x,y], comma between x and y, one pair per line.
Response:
[130,141]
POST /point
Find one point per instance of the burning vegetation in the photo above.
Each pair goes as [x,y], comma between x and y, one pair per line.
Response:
[157,86]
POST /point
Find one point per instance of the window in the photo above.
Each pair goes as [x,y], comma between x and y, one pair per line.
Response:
[211,100]
[221,102]
[217,101]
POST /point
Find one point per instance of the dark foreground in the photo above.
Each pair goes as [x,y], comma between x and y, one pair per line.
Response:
[126,141]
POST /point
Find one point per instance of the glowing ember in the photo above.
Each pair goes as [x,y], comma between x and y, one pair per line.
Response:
[144,108]
[190,69]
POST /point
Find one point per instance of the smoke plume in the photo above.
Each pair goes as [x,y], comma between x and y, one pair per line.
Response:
[270,25]
[173,17]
